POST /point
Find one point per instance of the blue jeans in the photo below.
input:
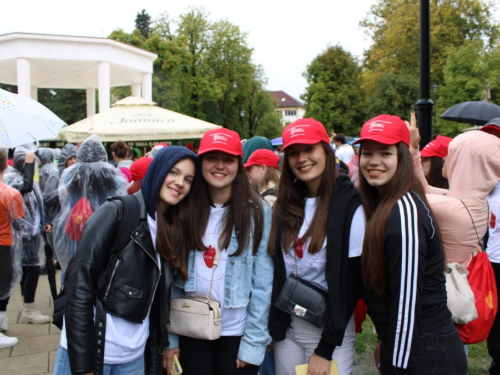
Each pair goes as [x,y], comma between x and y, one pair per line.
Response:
[439,352]
[61,367]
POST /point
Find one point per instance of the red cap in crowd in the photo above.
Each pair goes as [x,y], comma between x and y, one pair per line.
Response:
[263,157]
[221,139]
[190,146]
[385,129]
[437,147]
[160,144]
[305,131]
[139,168]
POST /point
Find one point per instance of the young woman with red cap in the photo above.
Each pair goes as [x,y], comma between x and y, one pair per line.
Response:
[403,261]
[236,224]
[316,240]
[433,155]
[263,170]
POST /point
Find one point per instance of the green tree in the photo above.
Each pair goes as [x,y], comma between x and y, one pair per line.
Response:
[393,94]
[69,105]
[393,26]
[333,95]
[142,23]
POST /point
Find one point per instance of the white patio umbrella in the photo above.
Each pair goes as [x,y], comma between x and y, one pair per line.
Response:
[137,119]
[24,120]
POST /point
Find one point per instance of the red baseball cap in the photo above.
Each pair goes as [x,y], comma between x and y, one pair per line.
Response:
[221,139]
[385,129]
[437,147]
[263,157]
[139,168]
[305,131]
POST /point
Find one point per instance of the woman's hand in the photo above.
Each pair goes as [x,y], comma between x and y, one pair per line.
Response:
[240,363]
[318,365]
[376,355]
[168,357]
[48,229]
[414,133]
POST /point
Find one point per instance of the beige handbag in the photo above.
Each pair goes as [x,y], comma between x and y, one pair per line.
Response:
[461,301]
[195,317]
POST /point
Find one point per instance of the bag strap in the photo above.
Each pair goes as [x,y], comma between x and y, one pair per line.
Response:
[473,223]
[129,220]
[214,266]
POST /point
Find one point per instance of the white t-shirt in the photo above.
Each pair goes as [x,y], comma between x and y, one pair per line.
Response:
[233,320]
[493,246]
[125,340]
[311,267]
[345,153]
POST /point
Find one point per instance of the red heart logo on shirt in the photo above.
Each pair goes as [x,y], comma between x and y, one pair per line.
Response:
[493,221]
[209,256]
[298,249]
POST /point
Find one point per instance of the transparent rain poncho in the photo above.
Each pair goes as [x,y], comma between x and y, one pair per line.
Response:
[12,202]
[48,179]
[27,233]
[83,188]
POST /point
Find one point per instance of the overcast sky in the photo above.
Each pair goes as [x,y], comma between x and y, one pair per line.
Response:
[285,35]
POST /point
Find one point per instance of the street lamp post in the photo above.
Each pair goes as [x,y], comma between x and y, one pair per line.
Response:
[425,104]
[242,115]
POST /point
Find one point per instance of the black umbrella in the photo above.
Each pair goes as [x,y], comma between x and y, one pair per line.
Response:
[474,113]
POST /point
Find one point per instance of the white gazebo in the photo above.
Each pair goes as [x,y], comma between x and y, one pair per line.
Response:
[33,61]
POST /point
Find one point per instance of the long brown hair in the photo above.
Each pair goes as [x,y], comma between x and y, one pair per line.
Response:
[177,230]
[289,207]
[435,177]
[244,212]
[377,209]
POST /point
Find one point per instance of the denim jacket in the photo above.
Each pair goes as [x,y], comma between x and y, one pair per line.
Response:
[248,282]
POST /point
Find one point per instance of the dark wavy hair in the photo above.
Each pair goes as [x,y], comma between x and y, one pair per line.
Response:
[435,177]
[289,207]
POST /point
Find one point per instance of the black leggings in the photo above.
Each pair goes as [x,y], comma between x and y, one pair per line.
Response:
[29,282]
[217,357]
[6,274]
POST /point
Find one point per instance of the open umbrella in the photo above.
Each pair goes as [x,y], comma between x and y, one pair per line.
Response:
[277,141]
[137,119]
[474,113]
[24,120]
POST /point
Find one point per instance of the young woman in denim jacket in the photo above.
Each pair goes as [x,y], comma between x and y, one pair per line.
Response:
[237,222]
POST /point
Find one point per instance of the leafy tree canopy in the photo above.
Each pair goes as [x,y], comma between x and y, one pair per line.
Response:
[142,23]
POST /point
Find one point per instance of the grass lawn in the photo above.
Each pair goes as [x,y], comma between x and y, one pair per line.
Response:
[479,360]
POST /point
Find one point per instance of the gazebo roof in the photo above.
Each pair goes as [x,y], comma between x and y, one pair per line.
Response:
[59,61]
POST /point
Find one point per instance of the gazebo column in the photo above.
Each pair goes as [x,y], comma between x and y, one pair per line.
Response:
[23,77]
[147,86]
[90,102]
[136,89]
[103,76]
[34,93]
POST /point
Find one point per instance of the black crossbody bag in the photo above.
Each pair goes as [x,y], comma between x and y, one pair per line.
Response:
[302,299]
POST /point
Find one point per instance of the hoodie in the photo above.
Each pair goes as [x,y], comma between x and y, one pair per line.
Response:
[253,144]
[49,182]
[162,163]
[68,151]
[473,170]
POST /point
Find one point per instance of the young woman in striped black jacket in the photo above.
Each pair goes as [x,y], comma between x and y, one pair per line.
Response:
[402,260]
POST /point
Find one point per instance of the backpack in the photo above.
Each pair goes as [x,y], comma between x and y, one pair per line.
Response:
[272,191]
[128,222]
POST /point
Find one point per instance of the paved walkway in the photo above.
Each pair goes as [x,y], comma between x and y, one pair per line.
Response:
[35,352]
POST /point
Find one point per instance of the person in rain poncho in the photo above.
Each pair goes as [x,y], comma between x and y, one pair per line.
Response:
[67,157]
[48,175]
[83,188]
[11,208]
[27,241]
[473,171]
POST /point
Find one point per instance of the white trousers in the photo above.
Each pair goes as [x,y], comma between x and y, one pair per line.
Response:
[301,340]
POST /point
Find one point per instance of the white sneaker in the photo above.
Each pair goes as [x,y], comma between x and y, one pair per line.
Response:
[3,323]
[30,314]
[7,342]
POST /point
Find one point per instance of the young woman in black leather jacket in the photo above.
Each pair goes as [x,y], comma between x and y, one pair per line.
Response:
[117,301]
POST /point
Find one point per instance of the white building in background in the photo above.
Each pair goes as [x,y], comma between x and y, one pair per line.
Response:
[32,61]
[288,108]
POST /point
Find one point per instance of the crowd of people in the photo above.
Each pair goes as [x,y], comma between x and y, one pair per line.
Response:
[275,249]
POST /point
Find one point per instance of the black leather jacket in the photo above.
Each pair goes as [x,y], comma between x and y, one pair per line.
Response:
[125,283]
